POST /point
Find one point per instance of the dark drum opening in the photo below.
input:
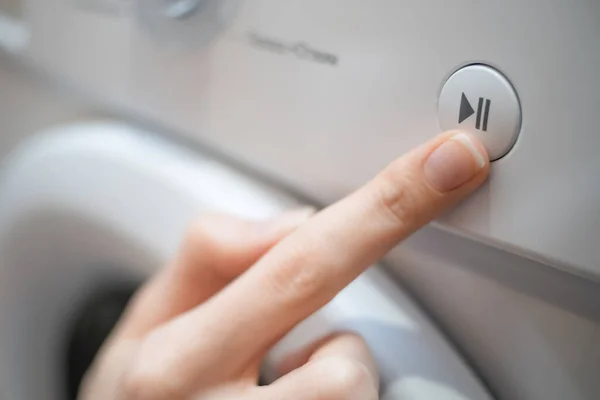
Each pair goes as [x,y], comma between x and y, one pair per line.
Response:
[91,326]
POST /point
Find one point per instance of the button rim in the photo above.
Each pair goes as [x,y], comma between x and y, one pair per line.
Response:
[495,70]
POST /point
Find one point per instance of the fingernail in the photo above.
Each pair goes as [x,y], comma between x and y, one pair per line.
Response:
[287,221]
[454,163]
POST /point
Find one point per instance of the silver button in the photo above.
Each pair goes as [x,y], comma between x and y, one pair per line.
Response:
[480,100]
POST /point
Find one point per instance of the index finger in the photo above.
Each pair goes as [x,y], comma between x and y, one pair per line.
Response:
[309,267]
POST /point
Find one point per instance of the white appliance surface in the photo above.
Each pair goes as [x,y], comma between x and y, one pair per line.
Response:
[349,85]
[318,95]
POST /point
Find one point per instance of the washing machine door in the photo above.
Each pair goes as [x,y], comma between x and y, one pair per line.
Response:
[104,205]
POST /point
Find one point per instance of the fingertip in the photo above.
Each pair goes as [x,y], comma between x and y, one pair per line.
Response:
[457,160]
[474,146]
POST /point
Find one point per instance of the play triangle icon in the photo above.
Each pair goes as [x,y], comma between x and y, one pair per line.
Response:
[465,109]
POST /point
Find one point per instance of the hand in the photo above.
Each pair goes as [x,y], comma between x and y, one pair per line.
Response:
[200,328]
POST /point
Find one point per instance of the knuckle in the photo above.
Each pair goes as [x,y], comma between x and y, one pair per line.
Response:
[150,376]
[200,246]
[355,340]
[349,379]
[148,384]
[294,279]
[399,195]
[198,237]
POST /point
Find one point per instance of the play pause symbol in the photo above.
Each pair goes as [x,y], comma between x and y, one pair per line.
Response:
[466,102]
[483,112]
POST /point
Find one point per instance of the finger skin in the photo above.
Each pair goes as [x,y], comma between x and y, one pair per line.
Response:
[309,267]
[217,248]
[339,367]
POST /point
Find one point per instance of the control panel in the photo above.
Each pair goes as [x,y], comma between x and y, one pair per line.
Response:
[321,94]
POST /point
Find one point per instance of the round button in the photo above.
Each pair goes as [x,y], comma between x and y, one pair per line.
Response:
[480,100]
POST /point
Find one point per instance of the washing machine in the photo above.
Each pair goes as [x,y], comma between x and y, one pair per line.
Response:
[123,120]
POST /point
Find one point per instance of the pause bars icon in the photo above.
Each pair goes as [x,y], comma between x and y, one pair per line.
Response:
[483,112]
[479,124]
